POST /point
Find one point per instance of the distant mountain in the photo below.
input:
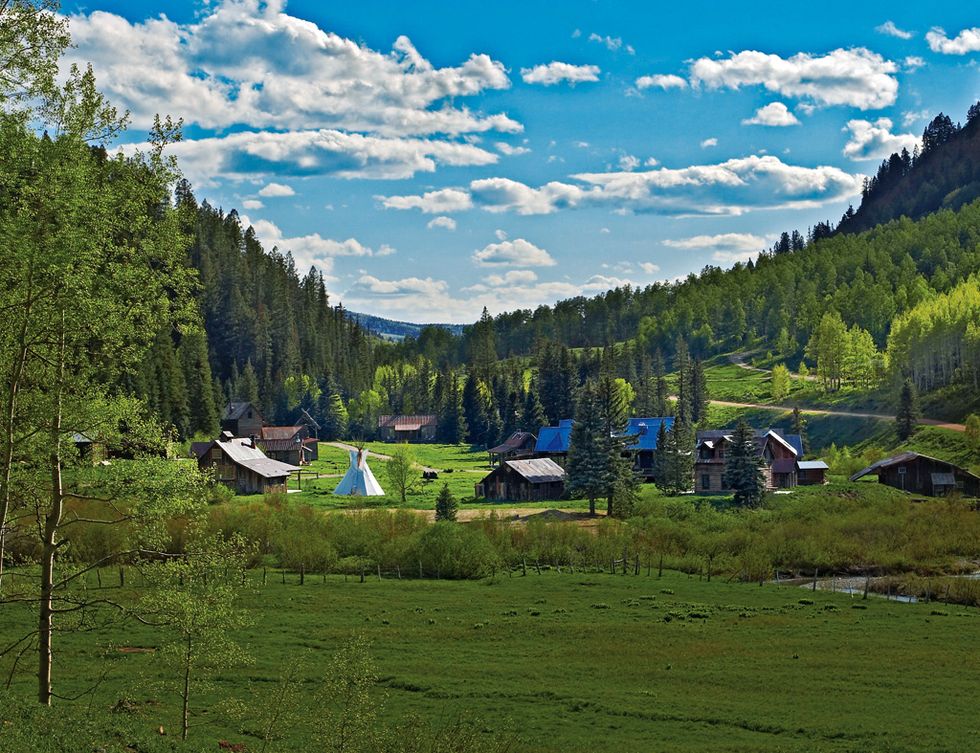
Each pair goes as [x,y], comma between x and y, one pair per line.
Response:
[944,175]
[390,329]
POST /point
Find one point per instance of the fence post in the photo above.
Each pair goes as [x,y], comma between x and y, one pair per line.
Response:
[815,573]
[263,576]
[122,577]
[302,574]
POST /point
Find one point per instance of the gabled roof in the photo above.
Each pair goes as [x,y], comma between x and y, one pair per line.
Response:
[907,457]
[516,441]
[279,432]
[241,452]
[406,423]
[198,449]
[646,430]
[237,408]
[792,442]
[538,470]
[554,438]
[281,445]
[309,419]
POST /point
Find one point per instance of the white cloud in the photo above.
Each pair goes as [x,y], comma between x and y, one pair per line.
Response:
[875,140]
[447,223]
[604,230]
[775,114]
[915,116]
[276,189]
[515,253]
[431,202]
[649,267]
[708,143]
[245,62]
[855,77]
[890,29]
[727,242]
[252,204]
[251,154]
[732,187]
[313,249]
[614,44]
[662,81]
[514,277]
[500,235]
[511,151]
[555,72]
[912,63]
[628,162]
[966,41]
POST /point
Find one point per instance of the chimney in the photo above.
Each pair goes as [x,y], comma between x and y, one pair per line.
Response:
[225,436]
[251,440]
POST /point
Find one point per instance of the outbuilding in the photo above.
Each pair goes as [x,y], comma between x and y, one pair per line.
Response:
[240,465]
[524,481]
[921,474]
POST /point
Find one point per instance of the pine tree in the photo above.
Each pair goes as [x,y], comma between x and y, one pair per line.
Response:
[699,392]
[743,467]
[446,505]
[908,411]
[333,415]
[682,367]
[474,411]
[451,427]
[247,387]
[199,383]
[586,466]
[799,427]
[675,460]
[532,416]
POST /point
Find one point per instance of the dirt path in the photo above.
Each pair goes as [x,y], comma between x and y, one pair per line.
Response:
[849,414]
[739,360]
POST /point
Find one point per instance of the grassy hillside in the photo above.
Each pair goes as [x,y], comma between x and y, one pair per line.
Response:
[583,662]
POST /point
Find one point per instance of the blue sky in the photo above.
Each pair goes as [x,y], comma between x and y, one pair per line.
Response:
[434,158]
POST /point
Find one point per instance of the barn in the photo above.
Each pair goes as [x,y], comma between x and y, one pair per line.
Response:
[920,474]
[520,444]
[523,480]
[416,428]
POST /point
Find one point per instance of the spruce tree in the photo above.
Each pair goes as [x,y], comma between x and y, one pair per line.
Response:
[446,505]
[474,411]
[587,466]
[199,383]
[799,427]
[908,411]
[533,416]
[333,415]
[699,392]
[682,367]
[743,467]
[451,426]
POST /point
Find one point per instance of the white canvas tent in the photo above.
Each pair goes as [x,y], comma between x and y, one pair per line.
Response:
[359,481]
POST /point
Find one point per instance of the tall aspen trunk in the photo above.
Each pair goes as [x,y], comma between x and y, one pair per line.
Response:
[49,543]
[185,696]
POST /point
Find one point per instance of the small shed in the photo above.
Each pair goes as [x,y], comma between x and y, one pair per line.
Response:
[523,480]
[921,474]
[811,472]
[517,445]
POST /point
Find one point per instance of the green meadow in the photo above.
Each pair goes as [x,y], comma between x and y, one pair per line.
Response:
[557,663]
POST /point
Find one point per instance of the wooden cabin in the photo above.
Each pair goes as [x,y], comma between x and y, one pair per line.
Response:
[779,454]
[240,465]
[920,474]
[417,428]
[518,445]
[288,444]
[242,419]
[643,442]
[523,481]
[811,472]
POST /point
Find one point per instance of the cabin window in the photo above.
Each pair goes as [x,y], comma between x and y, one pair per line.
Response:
[705,481]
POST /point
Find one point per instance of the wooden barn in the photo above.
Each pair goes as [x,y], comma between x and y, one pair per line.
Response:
[240,465]
[523,481]
[288,444]
[418,428]
[920,474]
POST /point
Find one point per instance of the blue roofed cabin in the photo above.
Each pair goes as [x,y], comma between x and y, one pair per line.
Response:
[553,441]
[644,445]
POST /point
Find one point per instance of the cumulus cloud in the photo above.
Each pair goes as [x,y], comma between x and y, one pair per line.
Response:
[246,62]
[447,223]
[708,143]
[661,81]
[556,72]
[855,77]
[890,29]
[912,63]
[275,190]
[313,249]
[875,140]
[514,277]
[732,187]
[431,202]
[250,154]
[649,267]
[965,42]
[511,151]
[515,253]
[613,44]
[252,204]
[775,114]
[628,162]
[408,286]
[727,242]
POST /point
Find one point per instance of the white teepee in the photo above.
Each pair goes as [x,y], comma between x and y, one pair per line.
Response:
[359,481]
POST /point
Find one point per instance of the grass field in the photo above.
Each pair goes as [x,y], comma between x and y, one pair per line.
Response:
[585,662]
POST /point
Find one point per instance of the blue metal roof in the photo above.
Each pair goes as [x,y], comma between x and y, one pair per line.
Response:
[646,430]
[565,423]
[554,438]
[797,441]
